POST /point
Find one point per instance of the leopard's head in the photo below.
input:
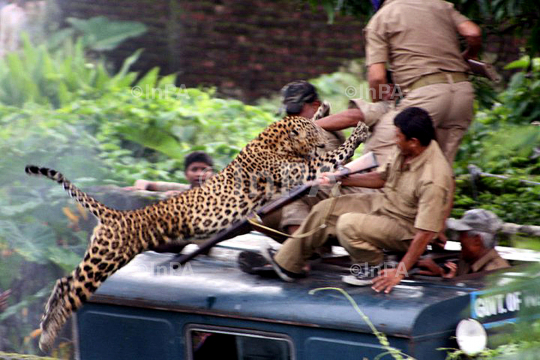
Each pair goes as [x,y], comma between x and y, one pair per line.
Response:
[304,136]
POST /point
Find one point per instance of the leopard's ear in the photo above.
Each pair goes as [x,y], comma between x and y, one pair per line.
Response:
[322,111]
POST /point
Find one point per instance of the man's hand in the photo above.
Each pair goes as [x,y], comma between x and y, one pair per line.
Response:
[387,279]
[391,277]
[440,240]
[328,178]
[473,36]
[431,267]
[453,270]
[435,270]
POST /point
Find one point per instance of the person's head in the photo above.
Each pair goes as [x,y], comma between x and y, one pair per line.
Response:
[198,166]
[300,98]
[477,229]
[414,130]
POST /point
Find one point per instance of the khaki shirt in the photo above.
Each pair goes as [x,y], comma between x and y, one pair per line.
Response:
[333,140]
[490,261]
[417,194]
[372,111]
[417,37]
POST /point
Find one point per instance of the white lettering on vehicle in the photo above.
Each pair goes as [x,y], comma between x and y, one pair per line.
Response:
[500,304]
[532,300]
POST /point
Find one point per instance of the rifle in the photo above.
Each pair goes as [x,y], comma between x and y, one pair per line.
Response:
[364,163]
[483,69]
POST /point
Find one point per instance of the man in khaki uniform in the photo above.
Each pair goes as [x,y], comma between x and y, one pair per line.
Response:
[477,229]
[404,217]
[301,98]
[359,110]
[418,39]
[370,113]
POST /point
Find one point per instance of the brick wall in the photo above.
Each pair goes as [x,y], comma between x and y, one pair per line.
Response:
[247,49]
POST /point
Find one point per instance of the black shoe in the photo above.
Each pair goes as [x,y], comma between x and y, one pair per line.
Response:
[284,274]
[252,263]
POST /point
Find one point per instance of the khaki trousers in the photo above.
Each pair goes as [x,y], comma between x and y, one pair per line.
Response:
[449,105]
[296,212]
[348,218]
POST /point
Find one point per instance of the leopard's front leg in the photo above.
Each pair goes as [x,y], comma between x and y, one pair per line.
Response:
[332,159]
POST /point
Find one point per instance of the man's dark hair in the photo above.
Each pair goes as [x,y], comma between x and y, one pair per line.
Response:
[296,94]
[416,123]
[198,156]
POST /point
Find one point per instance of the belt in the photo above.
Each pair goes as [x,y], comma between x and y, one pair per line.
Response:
[439,78]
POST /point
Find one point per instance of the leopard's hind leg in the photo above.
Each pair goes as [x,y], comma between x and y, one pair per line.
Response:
[105,254]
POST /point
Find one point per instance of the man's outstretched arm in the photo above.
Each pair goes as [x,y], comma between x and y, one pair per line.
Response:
[342,120]
[372,180]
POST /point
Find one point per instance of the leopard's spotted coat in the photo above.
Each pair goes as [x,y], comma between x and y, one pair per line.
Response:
[282,156]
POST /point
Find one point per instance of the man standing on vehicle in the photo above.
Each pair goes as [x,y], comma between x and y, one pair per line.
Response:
[404,217]
[418,40]
[359,110]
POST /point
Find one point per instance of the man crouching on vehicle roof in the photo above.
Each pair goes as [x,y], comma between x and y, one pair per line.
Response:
[405,217]
[300,98]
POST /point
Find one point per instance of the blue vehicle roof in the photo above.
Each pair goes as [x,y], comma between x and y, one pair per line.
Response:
[217,287]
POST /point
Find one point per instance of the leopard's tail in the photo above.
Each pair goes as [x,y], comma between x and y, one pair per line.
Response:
[94,206]
[71,292]
[56,312]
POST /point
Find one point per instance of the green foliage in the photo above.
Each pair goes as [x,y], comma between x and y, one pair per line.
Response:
[503,140]
[522,350]
[148,135]
[336,88]
[58,72]
[102,34]
[517,17]
[31,219]
[341,86]
[117,138]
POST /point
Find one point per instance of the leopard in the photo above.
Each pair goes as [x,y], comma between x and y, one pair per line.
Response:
[282,156]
